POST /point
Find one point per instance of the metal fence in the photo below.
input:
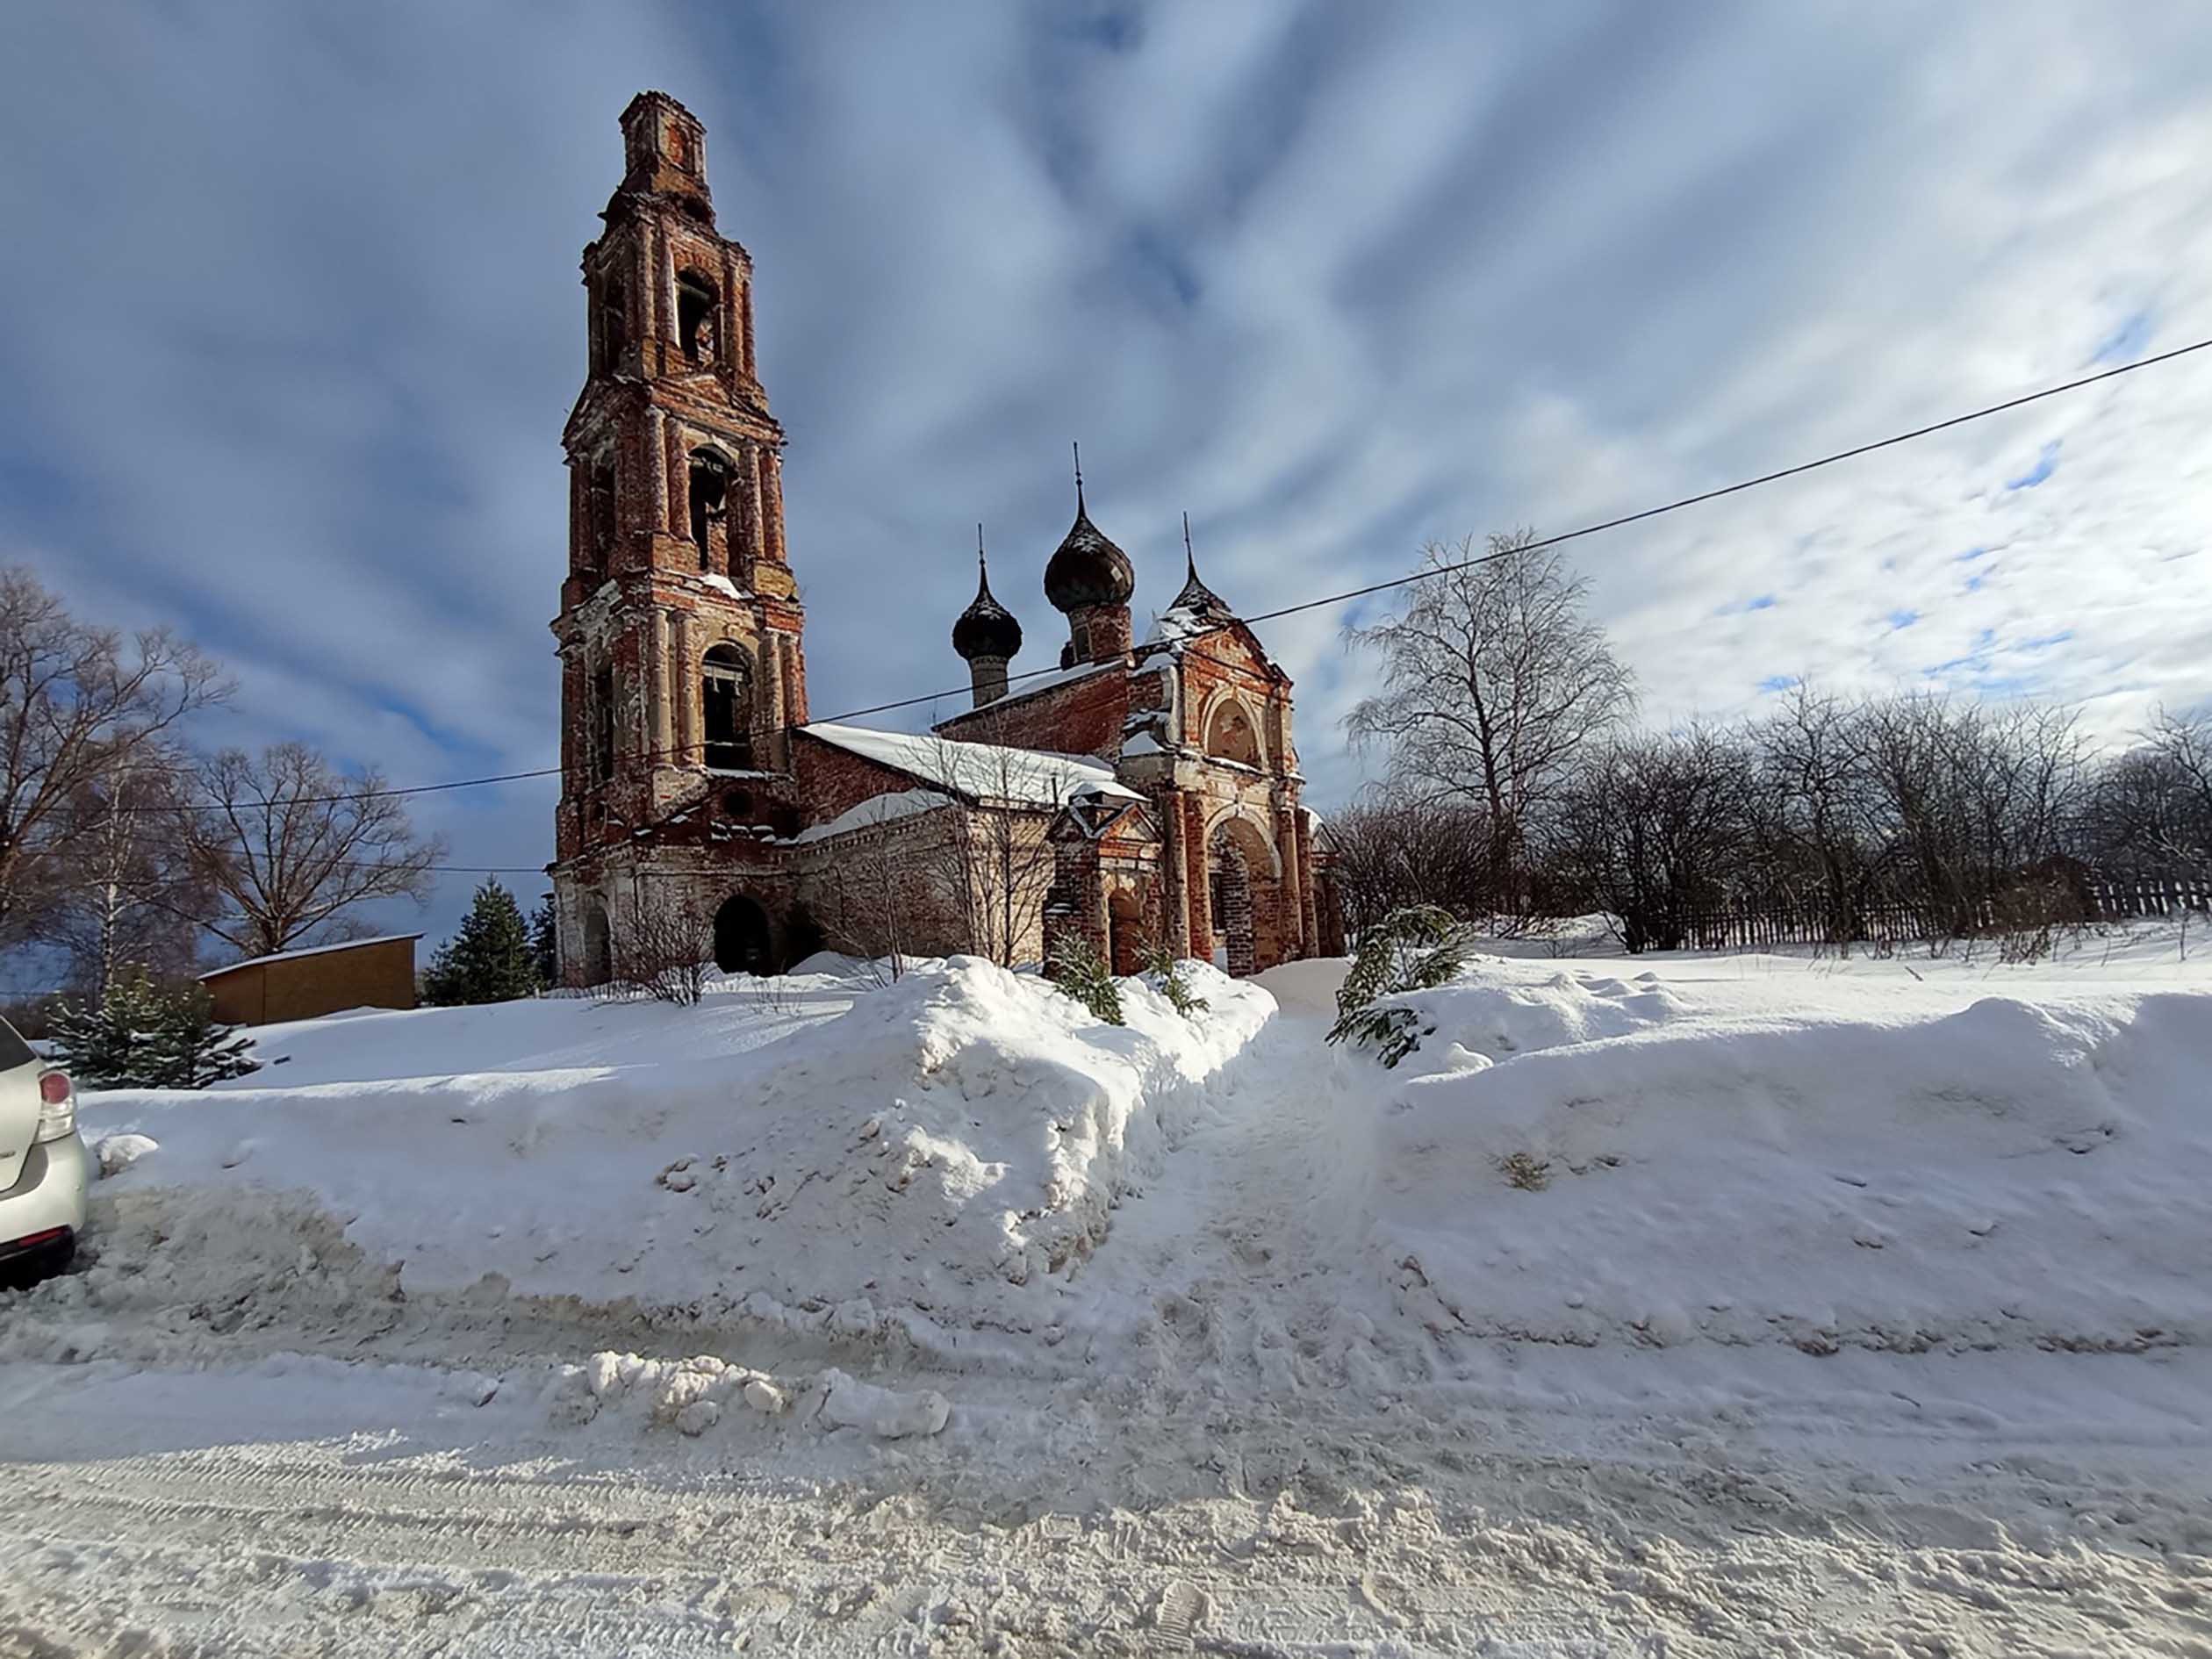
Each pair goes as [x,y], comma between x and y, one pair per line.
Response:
[1740,926]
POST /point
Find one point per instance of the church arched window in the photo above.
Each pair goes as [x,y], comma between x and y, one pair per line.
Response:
[725,692]
[709,503]
[698,312]
[1229,735]
[603,725]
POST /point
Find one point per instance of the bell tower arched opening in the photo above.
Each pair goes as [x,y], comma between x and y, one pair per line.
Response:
[726,708]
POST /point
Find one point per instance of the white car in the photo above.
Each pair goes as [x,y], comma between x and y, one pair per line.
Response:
[42,1163]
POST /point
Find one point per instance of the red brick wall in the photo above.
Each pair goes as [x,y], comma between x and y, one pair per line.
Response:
[834,780]
[1080,716]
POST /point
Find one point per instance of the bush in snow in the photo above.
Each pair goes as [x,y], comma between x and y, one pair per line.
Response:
[146,1035]
[489,958]
[661,949]
[1174,984]
[1415,949]
[1526,1171]
[1077,968]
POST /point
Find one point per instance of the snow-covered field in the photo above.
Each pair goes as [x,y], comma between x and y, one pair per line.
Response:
[1663,1305]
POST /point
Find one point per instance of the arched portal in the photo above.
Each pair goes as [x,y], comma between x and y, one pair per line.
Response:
[1243,891]
[598,954]
[1125,933]
[742,944]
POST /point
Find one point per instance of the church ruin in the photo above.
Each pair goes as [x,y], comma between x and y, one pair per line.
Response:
[1147,790]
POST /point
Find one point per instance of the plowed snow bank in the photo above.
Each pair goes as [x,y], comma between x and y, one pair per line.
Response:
[1578,1158]
[927,1152]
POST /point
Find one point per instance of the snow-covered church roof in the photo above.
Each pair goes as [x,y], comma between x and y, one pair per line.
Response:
[983,771]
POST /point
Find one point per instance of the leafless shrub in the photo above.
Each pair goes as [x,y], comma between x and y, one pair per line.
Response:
[664,949]
[2028,916]
[1526,1171]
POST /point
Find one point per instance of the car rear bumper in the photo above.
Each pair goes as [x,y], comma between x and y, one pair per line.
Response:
[49,1193]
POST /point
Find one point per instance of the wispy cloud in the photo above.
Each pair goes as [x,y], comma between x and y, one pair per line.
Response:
[2046,464]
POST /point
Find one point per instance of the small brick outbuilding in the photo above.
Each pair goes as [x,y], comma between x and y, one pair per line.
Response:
[299,984]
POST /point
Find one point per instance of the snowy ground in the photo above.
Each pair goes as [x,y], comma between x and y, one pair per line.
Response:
[1667,1305]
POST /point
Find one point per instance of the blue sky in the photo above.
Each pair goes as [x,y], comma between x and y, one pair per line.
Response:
[291,320]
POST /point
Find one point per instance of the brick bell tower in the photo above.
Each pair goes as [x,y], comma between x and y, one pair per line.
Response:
[680,629]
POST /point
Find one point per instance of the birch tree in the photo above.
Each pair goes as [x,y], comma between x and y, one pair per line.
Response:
[1495,681]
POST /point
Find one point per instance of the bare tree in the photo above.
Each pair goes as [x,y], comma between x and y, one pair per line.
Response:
[133,896]
[1393,850]
[76,704]
[293,844]
[1655,829]
[1812,806]
[869,891]
[1494,680]
[995,869]
[2153,805]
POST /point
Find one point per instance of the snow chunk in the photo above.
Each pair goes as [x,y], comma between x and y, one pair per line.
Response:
[118,1152]
[892,1416]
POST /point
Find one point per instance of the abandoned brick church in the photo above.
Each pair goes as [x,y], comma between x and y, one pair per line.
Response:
[1146,792]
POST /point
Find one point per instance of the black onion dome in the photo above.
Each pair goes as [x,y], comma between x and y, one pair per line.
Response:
[987,627]
[1196,600]
[1087,570]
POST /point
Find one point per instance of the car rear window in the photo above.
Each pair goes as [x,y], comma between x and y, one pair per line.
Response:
[13,1050]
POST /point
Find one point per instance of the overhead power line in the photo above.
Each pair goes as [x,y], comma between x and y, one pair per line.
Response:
[1348,595]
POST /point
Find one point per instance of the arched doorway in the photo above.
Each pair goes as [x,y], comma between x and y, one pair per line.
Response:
[598,955]
[1241,891]
[1125,933]
[741,938]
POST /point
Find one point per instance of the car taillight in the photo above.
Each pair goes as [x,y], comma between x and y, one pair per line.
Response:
[57,1106]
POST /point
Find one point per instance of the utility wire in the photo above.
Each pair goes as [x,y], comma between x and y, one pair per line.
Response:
[1638,517]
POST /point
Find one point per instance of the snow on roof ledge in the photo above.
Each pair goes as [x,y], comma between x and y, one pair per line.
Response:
[312,950]
[984,771]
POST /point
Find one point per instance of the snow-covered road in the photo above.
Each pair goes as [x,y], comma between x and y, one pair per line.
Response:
[1227,1423]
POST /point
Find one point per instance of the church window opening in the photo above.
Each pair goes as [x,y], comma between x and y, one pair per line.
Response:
[603,725]
[709,502]
[613,329]
[697,309]
[726,699]
[602,526]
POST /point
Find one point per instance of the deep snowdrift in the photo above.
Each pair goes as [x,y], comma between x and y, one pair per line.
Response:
[1737,1151]
[928,1152]
[1577,1158]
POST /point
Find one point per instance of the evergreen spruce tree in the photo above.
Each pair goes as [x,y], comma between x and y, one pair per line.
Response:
[545,942]
[146,1035]
[1078,971]
[490,958]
